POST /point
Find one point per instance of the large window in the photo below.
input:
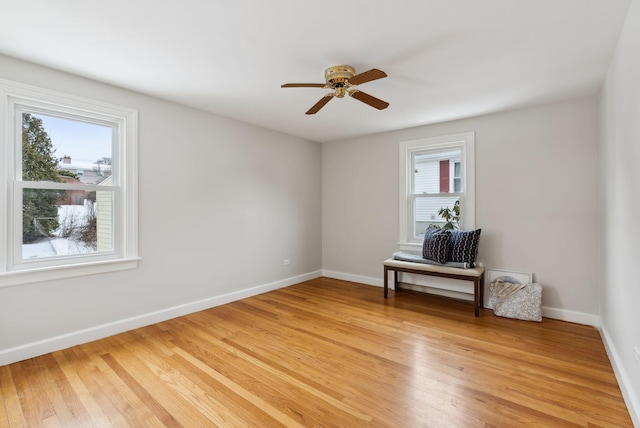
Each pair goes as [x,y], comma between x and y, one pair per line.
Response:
[70,200]
[435,173]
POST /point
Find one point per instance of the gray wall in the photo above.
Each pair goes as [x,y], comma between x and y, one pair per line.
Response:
[536,200]
[202,180]
[620,180]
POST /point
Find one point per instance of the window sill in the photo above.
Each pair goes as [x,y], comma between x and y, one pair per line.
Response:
[8,279]
[410,246]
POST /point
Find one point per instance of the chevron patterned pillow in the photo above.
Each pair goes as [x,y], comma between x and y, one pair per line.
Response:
[436,244]
[464,246]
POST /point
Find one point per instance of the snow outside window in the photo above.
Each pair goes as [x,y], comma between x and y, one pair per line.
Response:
[72,186]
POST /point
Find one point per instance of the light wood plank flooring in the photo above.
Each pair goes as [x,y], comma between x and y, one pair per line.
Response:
[324,353]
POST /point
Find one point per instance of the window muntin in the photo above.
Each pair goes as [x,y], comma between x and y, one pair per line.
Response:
[92,197]
[435,173]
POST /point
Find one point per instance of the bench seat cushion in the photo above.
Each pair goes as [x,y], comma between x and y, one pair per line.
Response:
[472,272]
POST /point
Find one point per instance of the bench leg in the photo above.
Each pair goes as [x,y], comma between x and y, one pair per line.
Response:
[482,290]
[477,296]
[386,281]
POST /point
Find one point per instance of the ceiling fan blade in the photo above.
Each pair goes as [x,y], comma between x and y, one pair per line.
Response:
[303,85]
[367,76]
[323,101]
[368,99]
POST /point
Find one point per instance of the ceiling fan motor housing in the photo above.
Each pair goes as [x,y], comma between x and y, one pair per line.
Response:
[338,75]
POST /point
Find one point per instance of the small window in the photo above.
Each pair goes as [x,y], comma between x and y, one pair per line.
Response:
[457,177]
[56,214]
[434,174]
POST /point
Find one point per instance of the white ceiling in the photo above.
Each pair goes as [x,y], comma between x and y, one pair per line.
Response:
[446,59]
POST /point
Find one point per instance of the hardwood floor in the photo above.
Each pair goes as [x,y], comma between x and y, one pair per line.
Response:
[324,353]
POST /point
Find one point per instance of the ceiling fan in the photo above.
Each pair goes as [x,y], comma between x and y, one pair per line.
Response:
[342,79]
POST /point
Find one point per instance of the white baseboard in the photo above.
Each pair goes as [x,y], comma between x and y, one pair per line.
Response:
[378,282]
[571,316]
[630,398]
[555,313]
[29,350]
[86,335]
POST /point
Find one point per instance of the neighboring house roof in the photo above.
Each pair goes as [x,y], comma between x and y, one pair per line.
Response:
[88,172]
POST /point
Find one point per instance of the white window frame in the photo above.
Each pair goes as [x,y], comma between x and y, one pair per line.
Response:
[13,270]
[466,143]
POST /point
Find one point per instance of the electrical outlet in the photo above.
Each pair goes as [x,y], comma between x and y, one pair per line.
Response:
[287,262]
[636,349]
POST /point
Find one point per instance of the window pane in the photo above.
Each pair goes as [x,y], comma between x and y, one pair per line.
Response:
[432,169]
[54,148]
[457,180]
[426,212]
[66,223]
[457,185]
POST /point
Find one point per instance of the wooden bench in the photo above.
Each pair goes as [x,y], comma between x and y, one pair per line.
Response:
[474,274]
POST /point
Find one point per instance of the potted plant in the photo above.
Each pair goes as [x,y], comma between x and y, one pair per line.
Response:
[451,216]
